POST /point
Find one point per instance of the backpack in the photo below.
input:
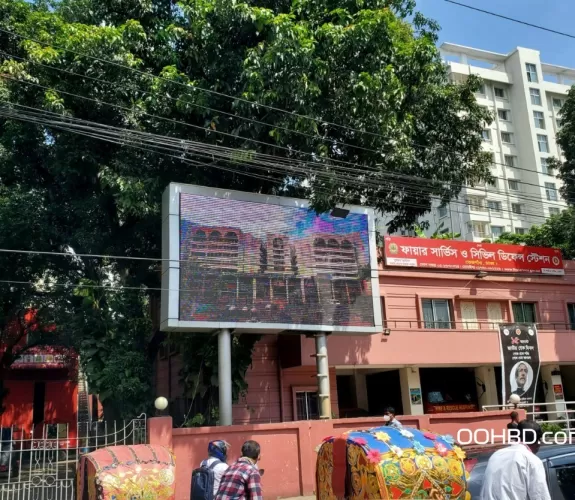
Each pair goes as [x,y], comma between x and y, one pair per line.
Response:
[203,481]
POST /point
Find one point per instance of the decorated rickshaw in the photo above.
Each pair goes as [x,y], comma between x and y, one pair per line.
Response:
[140,472]
[388,463]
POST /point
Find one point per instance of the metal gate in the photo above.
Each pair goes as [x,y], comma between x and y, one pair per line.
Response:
[41,464]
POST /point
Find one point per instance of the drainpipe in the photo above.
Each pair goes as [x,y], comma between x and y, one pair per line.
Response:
[281,386]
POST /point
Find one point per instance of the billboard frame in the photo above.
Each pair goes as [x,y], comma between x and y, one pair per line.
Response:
[170,303]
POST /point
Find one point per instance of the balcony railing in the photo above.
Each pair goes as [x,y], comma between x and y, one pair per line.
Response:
[472,325]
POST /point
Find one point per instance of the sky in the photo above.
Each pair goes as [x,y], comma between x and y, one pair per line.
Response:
[475,29]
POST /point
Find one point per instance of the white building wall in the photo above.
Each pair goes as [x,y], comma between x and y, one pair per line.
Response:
[519,198]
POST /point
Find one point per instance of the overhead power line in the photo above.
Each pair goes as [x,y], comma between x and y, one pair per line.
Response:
[124,136]
[335,142]
[518,21]
[353,180]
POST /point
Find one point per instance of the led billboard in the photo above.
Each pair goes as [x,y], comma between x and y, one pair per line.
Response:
[266,264]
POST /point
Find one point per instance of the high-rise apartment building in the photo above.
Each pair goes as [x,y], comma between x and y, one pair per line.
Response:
[524,96]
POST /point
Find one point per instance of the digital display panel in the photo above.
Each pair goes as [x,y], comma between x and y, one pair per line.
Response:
[256,262]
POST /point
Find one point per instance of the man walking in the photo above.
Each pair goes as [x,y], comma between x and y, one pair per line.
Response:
[242,481]
[515,472]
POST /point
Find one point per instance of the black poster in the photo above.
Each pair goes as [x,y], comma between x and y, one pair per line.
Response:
[519,361]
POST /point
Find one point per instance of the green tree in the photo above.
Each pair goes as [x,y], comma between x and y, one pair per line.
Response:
[556,232]
[385,127]
[441,233]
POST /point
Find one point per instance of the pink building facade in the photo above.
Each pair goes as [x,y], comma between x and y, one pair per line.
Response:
[439,350]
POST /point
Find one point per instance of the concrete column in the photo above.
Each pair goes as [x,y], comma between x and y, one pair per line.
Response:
[225,376]
[550,383]
[323,376]
[409,379]
[361,390]
[485,375]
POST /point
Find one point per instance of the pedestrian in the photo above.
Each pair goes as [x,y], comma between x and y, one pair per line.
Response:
[207,478]
[514,424]
[242,481]
[515,472]
[390,420]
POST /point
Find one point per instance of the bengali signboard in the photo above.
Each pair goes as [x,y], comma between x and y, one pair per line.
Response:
[470,256]
[519,361]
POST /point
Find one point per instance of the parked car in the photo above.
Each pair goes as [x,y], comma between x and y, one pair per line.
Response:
[559,462]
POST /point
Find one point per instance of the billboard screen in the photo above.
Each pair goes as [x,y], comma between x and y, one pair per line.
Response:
[469,256]
[262,263]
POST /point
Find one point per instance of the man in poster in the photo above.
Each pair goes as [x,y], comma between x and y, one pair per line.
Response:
[519,361]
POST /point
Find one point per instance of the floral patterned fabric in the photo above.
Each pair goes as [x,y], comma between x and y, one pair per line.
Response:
[387,463]
[140,472]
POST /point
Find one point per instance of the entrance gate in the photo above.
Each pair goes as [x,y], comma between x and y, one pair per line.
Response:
[41,464]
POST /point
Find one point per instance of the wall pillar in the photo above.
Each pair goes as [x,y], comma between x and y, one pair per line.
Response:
[160,431]
[410,390]
[486,396]
[360,384]
[553,388]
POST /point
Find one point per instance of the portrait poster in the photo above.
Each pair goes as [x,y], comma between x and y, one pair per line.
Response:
[415,396]
[519,361]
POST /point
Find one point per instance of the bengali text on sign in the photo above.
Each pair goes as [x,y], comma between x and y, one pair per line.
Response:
[470,256]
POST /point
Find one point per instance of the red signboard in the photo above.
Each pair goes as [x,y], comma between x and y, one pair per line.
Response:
[469,256]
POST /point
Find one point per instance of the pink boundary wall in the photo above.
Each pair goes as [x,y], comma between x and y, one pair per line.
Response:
[288,449]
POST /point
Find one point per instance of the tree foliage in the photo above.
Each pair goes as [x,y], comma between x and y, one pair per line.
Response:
[372,119]
[556,232]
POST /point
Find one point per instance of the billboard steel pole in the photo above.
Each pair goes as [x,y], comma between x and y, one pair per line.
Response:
[225,376]
[323,375]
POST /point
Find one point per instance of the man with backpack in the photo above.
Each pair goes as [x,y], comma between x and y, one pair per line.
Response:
[207,478]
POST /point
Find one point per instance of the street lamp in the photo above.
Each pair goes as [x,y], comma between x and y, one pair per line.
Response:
[514,399]
[161,404]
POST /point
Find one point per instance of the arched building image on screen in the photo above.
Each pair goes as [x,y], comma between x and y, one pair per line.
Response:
[257,262]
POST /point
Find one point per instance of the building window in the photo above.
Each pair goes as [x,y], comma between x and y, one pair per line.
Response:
[436,313]
[39,403]
[519,230]
[524,312]
[307,407]
[496,231]
[554,211]
[499,92]
[476,203]
[535,97]
[506,137]
[486,135]
[516,208]
[551,191]
[542,143]
[545,168]
[513,185]
[481,90]
[503,114]
[539,119]
[557,103]
[571,310]
[531,73]
[442,212]
[494,206]
[509,161]
[479,229]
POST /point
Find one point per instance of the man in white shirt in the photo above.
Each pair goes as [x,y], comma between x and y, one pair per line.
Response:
[390,420]
[217,452]
[515,472]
